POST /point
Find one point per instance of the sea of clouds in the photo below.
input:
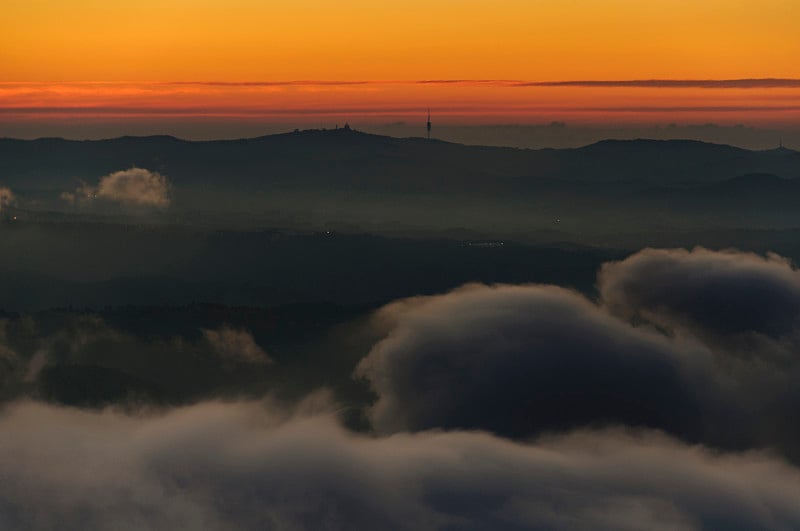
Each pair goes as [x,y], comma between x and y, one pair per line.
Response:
[667,401]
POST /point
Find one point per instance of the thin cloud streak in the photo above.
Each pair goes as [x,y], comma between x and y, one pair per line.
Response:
[229,111]
[755,83]
[759,101]
[744,83]
[747,83]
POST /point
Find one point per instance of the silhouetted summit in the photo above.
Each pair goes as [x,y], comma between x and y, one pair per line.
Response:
[356,160]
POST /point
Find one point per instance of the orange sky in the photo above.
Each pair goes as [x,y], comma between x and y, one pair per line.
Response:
[101,58]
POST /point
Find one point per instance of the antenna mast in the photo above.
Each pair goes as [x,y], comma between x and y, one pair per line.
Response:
[429,123]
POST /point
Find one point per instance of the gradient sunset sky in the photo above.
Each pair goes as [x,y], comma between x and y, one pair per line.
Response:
[476,62]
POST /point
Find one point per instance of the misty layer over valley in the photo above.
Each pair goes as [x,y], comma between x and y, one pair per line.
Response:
[614,193]
[336,330]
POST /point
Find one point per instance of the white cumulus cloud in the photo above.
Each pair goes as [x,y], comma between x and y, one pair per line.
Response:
[132,187]
[6,197]
[135,186]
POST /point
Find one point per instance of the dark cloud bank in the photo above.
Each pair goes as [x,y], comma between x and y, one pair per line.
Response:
[669,402]
[700,344]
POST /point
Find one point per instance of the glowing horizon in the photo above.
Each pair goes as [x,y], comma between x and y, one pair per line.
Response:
[586,61]
[759,101]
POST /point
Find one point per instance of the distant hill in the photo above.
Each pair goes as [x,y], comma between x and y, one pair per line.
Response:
[94,386]
[347,159]
[351,181]
[754,191]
